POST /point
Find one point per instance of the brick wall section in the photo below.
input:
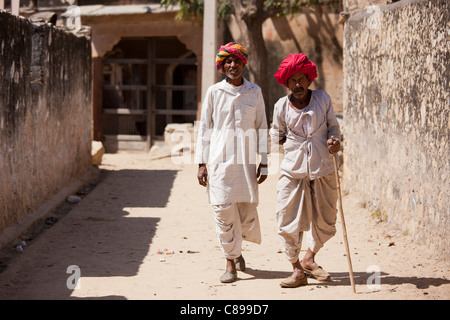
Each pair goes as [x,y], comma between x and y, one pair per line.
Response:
[396,116]
[45,114]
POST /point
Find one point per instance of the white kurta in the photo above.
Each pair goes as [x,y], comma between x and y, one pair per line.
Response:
[231,133]
[306,131]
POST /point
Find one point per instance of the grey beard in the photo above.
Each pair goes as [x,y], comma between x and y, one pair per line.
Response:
[233,76]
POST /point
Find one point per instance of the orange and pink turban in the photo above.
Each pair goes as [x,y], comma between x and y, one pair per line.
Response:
[295,63]
[231,48]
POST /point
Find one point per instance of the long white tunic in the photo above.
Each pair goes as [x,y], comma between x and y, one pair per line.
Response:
[231,133]
[306,131]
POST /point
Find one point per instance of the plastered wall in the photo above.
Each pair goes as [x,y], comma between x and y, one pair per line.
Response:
[396,116]
[45,114]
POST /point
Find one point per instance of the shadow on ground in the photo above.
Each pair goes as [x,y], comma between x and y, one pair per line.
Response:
[98,235]
[343,278]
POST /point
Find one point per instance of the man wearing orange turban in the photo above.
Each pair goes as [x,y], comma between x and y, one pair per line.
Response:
[305,124]
[232,133]
[231,48]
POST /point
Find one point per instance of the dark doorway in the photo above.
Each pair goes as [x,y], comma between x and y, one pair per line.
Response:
[147,84]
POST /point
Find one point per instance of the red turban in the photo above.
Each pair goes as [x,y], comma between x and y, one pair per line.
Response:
[295,63]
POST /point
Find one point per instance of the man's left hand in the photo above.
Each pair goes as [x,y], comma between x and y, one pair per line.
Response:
[261,173]
[333,145]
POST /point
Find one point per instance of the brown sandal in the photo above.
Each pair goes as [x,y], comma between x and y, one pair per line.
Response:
[319,274]
[228,277]
[292,282]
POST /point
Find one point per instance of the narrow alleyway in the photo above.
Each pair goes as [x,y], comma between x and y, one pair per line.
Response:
[142,206]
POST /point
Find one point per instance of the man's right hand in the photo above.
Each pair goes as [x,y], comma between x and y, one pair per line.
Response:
[202,175]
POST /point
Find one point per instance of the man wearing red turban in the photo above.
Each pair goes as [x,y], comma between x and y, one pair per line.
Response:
[295,63]
[305,124]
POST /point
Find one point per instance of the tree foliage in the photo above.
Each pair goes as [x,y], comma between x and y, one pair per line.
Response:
[193,9]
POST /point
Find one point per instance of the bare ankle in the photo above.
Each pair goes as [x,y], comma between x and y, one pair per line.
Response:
[298,271]
[308,261]
[231,266]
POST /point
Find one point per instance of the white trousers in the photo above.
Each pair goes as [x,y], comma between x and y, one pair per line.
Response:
[236,222]
[306,205]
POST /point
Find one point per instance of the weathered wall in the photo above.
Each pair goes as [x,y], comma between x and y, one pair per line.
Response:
[353,6]
[396,116]
[45,135]
[318,35]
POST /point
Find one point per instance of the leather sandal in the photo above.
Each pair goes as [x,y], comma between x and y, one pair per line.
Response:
[292,282]
[319,274]
[228,277]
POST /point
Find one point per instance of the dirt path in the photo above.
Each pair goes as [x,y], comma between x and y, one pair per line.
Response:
[141,206]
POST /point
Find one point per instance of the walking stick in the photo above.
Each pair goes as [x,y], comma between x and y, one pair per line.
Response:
[344,230]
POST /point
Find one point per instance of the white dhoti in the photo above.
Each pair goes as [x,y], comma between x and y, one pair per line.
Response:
[236,222]
[306,205]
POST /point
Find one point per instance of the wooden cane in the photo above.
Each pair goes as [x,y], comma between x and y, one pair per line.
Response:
[344,230]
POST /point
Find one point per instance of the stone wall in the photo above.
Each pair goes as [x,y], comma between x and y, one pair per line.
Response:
[45,114]
[396,116]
